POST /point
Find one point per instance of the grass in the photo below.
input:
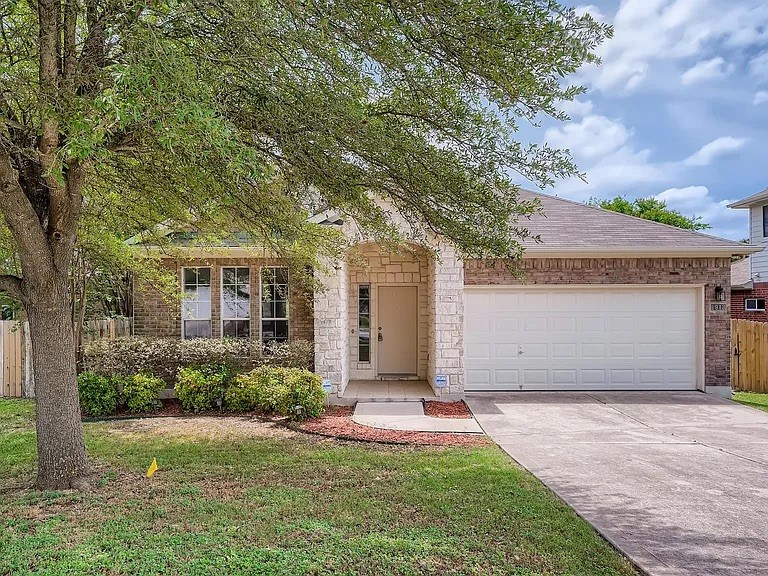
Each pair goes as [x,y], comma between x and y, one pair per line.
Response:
[280,506]
[753,399]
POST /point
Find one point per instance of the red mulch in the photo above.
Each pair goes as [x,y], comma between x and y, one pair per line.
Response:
[446,409]
[337,422]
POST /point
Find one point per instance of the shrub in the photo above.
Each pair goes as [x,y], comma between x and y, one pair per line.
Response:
[277,390]
[98,394]
[141,392]
[201,388]
[163,357]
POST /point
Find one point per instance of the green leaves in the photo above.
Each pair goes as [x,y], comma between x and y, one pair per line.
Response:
[651,209]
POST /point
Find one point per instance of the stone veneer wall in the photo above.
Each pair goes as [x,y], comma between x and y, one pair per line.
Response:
[155,316]
[701,271]
[332,326]
[446,328]
[373,265]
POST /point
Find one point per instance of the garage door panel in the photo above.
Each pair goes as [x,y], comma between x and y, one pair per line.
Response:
[588,338]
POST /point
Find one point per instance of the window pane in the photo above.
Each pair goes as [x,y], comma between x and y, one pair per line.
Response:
[197,329]
[267,309]
[204,276]
[268,329]
[364,353]
[190,276]
[229,276]
[236,329]
[281,329]
[244,276]
[365,307]
[365,292]
[365,323]
[188,310]
[203,310]
[242,308]
[281,309]
[765,221]
[281,275]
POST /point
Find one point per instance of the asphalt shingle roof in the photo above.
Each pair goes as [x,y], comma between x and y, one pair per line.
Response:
[566,225]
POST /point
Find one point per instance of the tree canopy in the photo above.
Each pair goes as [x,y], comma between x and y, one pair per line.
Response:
[650,209]
[251,114]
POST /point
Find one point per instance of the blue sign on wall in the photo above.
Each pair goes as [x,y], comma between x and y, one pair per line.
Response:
[441,381]
[327,386]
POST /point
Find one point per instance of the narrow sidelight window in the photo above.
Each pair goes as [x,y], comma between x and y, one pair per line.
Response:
[235,302]
[364,323]
[274,304]
[196,304]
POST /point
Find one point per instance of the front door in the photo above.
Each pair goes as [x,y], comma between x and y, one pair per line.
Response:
[398,330]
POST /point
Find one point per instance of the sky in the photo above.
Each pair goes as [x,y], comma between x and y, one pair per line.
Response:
[678,109]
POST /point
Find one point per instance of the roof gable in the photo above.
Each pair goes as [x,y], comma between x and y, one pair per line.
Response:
[749,201]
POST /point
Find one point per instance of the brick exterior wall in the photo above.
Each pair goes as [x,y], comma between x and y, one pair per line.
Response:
[759,290]
[155,316]
[700,271]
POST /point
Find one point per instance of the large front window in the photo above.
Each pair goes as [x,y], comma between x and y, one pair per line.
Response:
[274,304]
[235,302]
[196,304]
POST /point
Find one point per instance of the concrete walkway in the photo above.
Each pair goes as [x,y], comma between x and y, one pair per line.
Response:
[677,481]
[409,416]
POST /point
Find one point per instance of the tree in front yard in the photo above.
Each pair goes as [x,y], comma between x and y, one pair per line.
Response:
[650,209]
[248,115]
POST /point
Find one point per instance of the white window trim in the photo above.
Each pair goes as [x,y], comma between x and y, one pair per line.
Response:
[183,290]
[755,300]
[221,300]
[261,300]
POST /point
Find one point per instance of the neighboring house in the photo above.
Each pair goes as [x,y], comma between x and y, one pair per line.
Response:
[605,302]
[749,276]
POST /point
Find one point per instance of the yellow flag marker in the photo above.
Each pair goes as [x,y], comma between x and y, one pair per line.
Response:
[152,468]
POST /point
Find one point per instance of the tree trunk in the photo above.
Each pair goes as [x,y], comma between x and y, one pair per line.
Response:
[62,459]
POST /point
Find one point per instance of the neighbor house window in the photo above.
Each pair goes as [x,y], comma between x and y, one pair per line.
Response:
[235,302]
[364,323]
[765,221]
[274,304]
[196,304]
[754,304]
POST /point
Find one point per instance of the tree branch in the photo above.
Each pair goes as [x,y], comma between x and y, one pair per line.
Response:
[12,286]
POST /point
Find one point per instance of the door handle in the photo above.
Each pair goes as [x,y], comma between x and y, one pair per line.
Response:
[380,337]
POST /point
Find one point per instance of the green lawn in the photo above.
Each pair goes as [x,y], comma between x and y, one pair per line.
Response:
[284,505]
[752,399]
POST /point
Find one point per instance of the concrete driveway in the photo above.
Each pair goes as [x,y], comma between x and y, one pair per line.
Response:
[677,481]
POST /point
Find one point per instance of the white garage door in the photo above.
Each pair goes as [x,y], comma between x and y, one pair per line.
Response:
[580,338]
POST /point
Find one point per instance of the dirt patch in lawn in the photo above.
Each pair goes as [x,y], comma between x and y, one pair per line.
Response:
[209,427]
[337,422]
[446,409]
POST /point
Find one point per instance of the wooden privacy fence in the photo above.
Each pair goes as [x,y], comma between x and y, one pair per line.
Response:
[749,356]
[16,369]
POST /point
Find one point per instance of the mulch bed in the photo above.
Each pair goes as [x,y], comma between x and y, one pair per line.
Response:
[447,409]
[337,423]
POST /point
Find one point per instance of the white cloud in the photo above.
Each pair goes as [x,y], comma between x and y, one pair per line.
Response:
[718,147]
[589,138]
[602,149]
[576,108]
[758,66]
[697,201]
[761,97]
[706,70]
[650,32]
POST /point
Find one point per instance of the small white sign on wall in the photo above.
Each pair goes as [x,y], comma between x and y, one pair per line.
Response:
[441,381]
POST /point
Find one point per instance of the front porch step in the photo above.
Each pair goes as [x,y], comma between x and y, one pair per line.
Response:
[410,416]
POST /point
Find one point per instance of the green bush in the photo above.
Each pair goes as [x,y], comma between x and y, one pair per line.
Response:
[201,388]
[277,390]
[141,392]
[98,394]
[163,357]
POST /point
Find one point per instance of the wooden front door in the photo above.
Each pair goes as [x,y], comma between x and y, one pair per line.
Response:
[397,337]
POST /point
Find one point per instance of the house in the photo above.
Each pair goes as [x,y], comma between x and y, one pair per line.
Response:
[749,276]
[605,302]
